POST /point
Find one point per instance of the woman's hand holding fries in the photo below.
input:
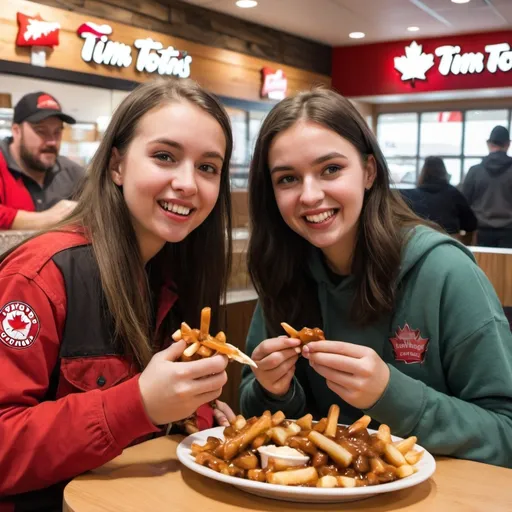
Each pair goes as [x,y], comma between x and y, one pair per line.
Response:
[276,358]
[173,390]
[355,373]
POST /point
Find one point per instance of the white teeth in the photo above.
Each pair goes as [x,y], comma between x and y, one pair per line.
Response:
[175,208]
[320,217]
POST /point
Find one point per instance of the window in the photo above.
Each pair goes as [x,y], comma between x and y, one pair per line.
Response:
[458,137]
[441,133]
[479,124]
[398,134]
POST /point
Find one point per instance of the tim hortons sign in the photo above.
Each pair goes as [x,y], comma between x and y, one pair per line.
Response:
[274,85]
[451,60]
[34,31]
[150,55]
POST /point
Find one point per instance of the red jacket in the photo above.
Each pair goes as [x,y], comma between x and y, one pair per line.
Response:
[68,401]
[13,196]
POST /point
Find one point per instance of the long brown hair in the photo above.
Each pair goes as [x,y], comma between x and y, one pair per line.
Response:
[278,257]
[198,266]
[433,172]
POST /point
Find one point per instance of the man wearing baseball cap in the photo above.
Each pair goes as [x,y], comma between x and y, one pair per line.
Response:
[36,184]
[488,189]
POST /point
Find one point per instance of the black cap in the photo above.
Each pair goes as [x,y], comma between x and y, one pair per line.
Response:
[500,136]
[36,106]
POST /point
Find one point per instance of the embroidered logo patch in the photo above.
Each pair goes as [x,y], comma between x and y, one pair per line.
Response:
[19,325]
[408,345]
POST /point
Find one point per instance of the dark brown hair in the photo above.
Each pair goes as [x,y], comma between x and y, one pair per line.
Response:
[198,266]
[278,257]
[433,172]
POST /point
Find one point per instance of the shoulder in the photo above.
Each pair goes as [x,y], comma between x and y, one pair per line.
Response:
[72,168]
[33,255]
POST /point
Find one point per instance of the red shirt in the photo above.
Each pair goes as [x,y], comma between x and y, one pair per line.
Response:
[13,196]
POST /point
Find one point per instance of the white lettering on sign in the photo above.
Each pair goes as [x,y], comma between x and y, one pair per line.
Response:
[452,61]
[152,56]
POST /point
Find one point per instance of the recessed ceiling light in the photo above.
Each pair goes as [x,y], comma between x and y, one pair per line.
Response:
[461,1]
[246,4]
[413,29]
[357,35]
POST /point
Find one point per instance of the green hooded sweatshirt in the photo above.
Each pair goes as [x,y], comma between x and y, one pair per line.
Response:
[447,343]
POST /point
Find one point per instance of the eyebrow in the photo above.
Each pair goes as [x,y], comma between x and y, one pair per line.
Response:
[177,145]
[316,161]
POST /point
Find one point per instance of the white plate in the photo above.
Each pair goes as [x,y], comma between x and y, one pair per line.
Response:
[426,468]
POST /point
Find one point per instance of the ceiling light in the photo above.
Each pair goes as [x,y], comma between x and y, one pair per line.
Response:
[461,1]
[413,29]
[357,35]
[246,4]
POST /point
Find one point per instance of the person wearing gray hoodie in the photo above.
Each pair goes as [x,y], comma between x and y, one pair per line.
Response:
[488,189]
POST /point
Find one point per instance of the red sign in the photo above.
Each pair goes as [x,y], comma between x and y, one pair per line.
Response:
[34,31]
[474,61]
[408,345]
[275,84]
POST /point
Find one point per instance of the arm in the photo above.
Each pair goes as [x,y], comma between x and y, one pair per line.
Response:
[253,397]
[45,442]
[467,218]
[475,420]
[468,186]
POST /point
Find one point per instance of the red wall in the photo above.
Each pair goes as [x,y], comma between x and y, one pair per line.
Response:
[368,70]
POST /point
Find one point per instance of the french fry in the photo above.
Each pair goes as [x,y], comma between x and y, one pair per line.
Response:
[292,333]
[191,349]
[337,453]
[320,426]
[258,475]
[260,441]
[346,481]
[206,314]
[405,445]
[306,422]
[279,435]
[221,337]
[293,476]
[332,421]
[384,433]
[377,465]
[393,456]
[239,422]
[360,424]
[278,418]
[204,351]
[404,471]
[413,457]
[246,460]
[293,429]
[176,336]
[240,441]
[327,482]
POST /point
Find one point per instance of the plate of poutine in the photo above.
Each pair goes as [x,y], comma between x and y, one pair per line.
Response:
[306,461]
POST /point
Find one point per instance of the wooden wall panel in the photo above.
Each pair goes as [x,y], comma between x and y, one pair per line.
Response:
[211,28]
[497,266]
[223,72]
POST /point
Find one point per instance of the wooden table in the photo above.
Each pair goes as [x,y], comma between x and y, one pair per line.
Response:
[149,477]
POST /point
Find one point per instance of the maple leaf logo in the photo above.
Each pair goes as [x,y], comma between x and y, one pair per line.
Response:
[17,323]
[414,64]
[408,345]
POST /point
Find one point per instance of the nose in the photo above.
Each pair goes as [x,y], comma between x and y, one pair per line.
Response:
[312,192]
[184,180]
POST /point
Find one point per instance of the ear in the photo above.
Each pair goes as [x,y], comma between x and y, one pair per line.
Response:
[371,172]
[115,167]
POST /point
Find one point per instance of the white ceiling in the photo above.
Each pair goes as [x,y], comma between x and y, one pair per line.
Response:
[330,21]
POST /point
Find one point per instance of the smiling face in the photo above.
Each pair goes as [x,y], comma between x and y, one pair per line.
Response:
[319,182]
[170,173]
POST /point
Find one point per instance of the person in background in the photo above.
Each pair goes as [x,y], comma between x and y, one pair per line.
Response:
[36,184]
[87,309]
[438,201]
[415,335]
[488,189]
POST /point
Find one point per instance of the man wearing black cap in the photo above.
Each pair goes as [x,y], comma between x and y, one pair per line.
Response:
[488,189]
[36,184]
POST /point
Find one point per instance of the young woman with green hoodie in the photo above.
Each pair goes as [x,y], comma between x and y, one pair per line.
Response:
[416,336]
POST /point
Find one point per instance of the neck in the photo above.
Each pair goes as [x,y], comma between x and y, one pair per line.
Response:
[37,176]
[339,256]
